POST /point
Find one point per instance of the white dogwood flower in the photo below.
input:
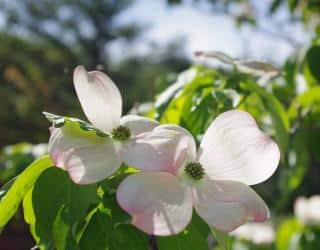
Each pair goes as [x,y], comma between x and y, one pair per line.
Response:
[233,154]
[308,210]
[257,233]
[91,153]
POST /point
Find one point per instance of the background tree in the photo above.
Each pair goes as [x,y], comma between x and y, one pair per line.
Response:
[42,41]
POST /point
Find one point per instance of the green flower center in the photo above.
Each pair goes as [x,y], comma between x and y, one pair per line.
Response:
[194,170]
[121,133]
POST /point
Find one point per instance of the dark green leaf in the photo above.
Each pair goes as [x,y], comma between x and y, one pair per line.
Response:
[193,237]
[58,205]
[109,229]
[312,64]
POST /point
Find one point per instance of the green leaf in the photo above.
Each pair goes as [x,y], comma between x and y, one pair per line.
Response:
[4,189]
[288,234]
[62,230]
[166,96]
[193,105]
[74,124]
[277,112]
[15,159]
[97,232]
[222,57]
[312,65]
[11,200]
[251,67]
[222,239]
[292,4]
[193,237]
[257,68]
[58,206]
[274,6]
[305,102]
[109,228]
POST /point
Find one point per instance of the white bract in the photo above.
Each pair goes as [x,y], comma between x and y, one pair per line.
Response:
[86,156]
[308,210]
[257,233]
[233,154]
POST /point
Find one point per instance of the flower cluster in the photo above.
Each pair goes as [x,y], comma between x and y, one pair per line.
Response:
[174,176]
[257,233]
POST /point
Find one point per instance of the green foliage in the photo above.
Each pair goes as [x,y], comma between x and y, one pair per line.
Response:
[75,125]
[312,65]
[52,216]
[12,198]
[63,215]
[109,228]
[288,235]
[14,158]
[277,113]
[222,238]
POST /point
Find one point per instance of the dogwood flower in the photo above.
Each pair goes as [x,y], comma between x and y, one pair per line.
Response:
[91,153]
[233,154]
[308,210]
[257,233]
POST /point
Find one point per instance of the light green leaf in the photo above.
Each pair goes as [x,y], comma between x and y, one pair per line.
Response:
[183,79]
[277,112]
[10,202]
[222,239]
[305,102]
[4,189]
[74,124]
[288,235]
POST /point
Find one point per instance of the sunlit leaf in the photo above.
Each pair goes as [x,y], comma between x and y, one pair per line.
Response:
[305,102]
[277,112]
[222,239]
[222,57]
[257,68]
[252,67]
[288,235]
[10,202]
[165,97]
[74,124]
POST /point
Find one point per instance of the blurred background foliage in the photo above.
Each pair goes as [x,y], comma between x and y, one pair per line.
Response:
[42,41]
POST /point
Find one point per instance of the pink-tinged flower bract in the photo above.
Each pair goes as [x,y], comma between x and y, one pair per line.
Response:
[86,156]
[233,154]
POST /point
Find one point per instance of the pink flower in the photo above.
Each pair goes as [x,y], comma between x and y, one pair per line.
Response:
[87,157]
[233,154]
